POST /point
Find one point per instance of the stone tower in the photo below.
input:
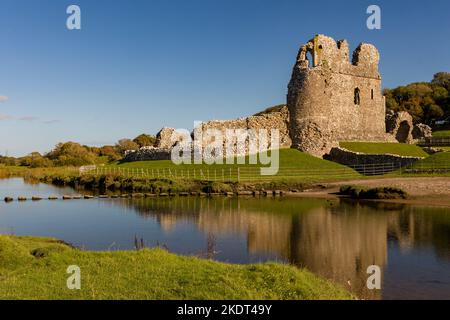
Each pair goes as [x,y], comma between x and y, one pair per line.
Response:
[331,99]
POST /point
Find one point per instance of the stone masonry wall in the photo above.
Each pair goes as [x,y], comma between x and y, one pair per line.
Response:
[278,120]
[331,99]
[351,158]
[147,153]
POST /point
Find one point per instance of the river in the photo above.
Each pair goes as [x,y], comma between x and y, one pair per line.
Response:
[337,239]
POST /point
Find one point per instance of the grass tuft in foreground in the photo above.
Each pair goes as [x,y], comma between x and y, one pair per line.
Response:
[35,268]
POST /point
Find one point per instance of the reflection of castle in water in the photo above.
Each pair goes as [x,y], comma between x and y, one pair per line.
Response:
[332,239]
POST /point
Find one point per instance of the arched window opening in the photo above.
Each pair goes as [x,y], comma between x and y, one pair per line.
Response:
[309,57]
[357,98]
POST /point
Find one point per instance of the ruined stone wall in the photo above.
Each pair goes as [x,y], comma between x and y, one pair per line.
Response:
[278,120]
[400,126]
[375,162]
[331,99]
[147,153]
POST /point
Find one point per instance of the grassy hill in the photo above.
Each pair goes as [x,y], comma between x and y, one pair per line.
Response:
[293,163]
[442,133]
[440,159]
[288,158]
[35,268]
[400,149]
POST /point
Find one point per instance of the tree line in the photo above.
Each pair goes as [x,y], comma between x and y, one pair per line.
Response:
[75,154]
[425,101]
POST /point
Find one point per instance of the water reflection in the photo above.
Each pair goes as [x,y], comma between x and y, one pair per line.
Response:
[337,239]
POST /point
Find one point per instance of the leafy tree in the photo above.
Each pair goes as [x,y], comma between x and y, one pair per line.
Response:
[442,79]
[425,101]
[35,160]
[71,154]
[126,144]
[144,140]
[111,152]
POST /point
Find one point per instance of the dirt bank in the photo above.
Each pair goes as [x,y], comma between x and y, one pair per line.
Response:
[422,190]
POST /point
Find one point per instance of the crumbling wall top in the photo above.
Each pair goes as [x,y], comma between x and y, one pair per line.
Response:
[326,52]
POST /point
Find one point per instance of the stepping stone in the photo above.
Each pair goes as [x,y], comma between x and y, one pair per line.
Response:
[103,196]
[34,198]
[137,195]
[88,197]
[150,195]
[183,194]
[245,193]
[163,194]
[52,198]
[66,197]
[21,198]
[8,199]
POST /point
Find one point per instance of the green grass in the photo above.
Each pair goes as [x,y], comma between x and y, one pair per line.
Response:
[440,159]
[35,268]
[400,149]
[294,165]
[288,158]
[442,133]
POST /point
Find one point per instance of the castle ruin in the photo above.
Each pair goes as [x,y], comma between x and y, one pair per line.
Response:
[331,99]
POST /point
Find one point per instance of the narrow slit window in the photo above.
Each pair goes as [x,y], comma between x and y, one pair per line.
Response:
[357,98]
[371,94]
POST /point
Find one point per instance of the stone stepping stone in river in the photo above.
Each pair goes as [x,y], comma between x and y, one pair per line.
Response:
[137,195]
[22,198]
[66,197]
[8,199]
[150,195]
[52,198]
[36,198]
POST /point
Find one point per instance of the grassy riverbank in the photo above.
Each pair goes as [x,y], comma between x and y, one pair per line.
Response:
[35,268]
[297,171]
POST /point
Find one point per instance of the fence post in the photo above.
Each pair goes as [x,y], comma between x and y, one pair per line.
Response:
[238,174]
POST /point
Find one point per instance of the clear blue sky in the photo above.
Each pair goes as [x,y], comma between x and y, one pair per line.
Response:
[137,66]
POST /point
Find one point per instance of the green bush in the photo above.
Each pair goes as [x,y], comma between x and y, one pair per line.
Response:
[358,192]
[217,187]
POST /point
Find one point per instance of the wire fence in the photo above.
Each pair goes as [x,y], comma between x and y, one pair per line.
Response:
[434,142]
[253,173]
